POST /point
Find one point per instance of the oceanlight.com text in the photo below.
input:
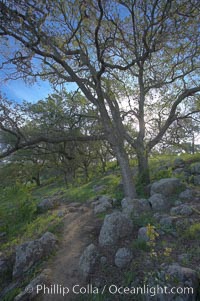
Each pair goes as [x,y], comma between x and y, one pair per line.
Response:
[112,289]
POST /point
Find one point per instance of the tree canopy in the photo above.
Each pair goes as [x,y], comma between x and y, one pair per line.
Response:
[132,60]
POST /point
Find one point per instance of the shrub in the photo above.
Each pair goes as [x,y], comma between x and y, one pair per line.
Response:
[193,232]
[161,174]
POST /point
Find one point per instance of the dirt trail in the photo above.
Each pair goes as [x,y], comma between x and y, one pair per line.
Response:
[77,234]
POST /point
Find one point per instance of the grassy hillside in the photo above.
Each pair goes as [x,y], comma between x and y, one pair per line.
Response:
[18,203]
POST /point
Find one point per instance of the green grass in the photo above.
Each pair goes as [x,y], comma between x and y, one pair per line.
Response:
[129,277]
[190,158]
[82,192]
[140,245]
[18,207]
[21,221]
[162,160]
[11,295]
[19,218]
[34,229]
[49,189]
[86,191]
[144,219]
[101,215]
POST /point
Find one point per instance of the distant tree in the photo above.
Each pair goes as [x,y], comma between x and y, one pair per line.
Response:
[60,115]
[183,135]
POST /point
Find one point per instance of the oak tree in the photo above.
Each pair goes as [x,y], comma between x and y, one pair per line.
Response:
[125,56]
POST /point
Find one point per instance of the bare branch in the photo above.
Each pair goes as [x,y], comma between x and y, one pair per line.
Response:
[172,115]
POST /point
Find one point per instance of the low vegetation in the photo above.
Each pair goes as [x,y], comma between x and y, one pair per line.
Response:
[21,220]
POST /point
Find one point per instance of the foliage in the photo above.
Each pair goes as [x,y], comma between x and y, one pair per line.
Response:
[138,71]
[160,174]
[192,232]
[17,207]
[140,186]
[140,245]
[143,219]
[19,219]
[191,158]
[128,278]
[152,235]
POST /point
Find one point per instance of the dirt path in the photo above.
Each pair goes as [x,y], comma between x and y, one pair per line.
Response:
[79,228]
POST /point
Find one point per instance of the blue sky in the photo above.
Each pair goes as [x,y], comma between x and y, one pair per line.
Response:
[18,90]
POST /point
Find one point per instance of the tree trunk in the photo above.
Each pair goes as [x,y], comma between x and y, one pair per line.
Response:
[86,174]
[193,144]
[103,163]
[114,130]
[143,167]
[127,177]
[36,178]
[65,177]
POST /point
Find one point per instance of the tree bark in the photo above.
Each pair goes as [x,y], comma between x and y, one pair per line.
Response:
[86,173]
[142,154]
[127,177]
[36,178]
[143,166]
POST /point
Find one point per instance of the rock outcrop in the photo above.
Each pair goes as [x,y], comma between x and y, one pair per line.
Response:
[88,260]
[115,227]
[31,252]
[123,257]
[167,187]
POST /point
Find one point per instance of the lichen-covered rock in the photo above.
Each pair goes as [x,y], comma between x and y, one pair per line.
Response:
[135,206]
[166,221]
[123,257]
[195,168]
[47,204]
[99,188]
[186,195]
[127,206]
[31,291]
[167,187]
[61,213]
[31,252]
[183,257]
[115,227]
[101,199]
[103,203]
[143,205]
[142,234]
[178,172]
[175,276]
[103,260]
[196,180]
[4,266]
[184,210]
[185,277]
[178,163]
[177,203]
[88,260]
[159,202]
